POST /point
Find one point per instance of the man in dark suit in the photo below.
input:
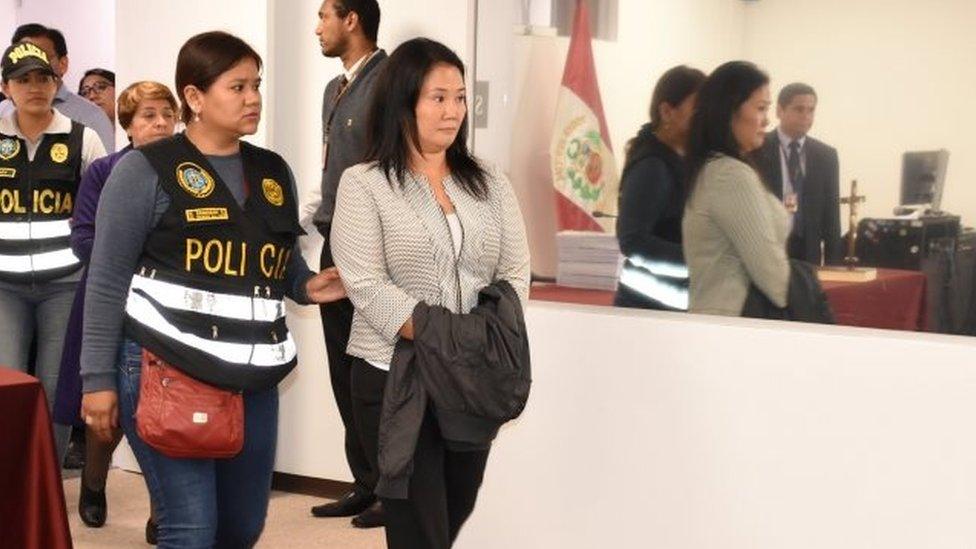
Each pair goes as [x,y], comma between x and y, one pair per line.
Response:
[805,174]
[347,29]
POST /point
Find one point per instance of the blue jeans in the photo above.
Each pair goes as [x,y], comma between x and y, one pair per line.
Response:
[37,311]
[203,503]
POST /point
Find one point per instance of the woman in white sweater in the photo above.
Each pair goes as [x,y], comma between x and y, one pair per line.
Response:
[734,228]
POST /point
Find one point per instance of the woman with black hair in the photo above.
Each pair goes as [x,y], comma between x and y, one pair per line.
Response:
[734,229]
[652,198]
[421,220]
[194,253]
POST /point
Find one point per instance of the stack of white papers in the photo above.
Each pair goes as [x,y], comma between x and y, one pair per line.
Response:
[588,260]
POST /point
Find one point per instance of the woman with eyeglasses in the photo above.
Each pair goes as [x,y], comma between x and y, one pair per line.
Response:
[98,86]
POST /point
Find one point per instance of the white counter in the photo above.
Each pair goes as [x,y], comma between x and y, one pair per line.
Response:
[678,431]
[667,430]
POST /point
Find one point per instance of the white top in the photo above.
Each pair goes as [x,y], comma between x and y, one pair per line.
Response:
[457,235]
[91,145]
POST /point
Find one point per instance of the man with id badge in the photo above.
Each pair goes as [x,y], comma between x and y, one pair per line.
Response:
[347,29]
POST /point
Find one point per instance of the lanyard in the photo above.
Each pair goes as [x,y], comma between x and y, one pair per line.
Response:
[342,90]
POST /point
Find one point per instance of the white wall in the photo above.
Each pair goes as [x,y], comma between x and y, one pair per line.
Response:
[88,28]
[676,431]
[149,35]
[495,51]
[892,75]
[8,20]
[652,37]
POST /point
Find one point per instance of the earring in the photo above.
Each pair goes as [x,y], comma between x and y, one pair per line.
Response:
[196,116]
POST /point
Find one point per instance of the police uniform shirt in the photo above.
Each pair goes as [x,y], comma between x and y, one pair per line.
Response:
[91,150]
[91,146]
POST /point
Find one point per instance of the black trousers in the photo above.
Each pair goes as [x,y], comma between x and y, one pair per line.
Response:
[444,485]
[336,323]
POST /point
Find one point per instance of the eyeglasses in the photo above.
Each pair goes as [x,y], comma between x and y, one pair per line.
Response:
[97,87]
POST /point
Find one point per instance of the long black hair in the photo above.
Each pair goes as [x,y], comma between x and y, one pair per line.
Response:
[392,125]
[724,91]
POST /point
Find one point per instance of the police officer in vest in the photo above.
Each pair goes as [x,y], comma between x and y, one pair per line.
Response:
[195,248]
[42,156]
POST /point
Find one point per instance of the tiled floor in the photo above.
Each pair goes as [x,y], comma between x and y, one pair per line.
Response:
[289,524]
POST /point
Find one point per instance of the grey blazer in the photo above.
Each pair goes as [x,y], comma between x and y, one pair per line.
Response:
[393,248]
[347,142]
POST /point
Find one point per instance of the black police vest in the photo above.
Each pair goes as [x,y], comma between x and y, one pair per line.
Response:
[208,293]
[36,202]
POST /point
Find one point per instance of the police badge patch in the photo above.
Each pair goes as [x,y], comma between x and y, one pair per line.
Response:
[194,180]
[272,191]
[59,152]
[9,148]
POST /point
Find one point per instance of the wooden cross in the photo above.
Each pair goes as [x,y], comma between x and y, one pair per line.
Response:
[852,201]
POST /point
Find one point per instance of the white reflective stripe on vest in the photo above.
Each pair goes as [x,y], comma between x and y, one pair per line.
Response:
[34,230]
[660,268]
[142,311]
[665,292]
[185,298]
[38,262]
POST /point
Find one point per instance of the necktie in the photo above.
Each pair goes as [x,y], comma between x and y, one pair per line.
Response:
[340,89]
[343,82]
[795,173]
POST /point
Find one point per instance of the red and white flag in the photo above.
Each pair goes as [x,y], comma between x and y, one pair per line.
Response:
[584,172]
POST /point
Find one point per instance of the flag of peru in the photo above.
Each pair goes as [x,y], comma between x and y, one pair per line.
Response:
[584,172]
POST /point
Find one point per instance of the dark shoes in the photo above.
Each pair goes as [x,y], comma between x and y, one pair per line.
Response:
[74,457]
[349,505]
[372,517]
[92,506]
[152,532]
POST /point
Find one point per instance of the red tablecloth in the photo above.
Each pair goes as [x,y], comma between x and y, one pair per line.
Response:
[32,508]
[896,299]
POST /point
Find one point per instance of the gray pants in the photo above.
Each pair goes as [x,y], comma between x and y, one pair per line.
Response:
[36,311]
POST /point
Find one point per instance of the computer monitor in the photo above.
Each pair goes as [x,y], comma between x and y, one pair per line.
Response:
[923,177]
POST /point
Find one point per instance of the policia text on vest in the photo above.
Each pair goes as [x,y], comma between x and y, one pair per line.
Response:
[231,258]
[46,201]
[208,293]
[36,203]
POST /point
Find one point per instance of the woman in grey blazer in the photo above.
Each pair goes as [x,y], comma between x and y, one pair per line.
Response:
[421,220]
[734,228]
